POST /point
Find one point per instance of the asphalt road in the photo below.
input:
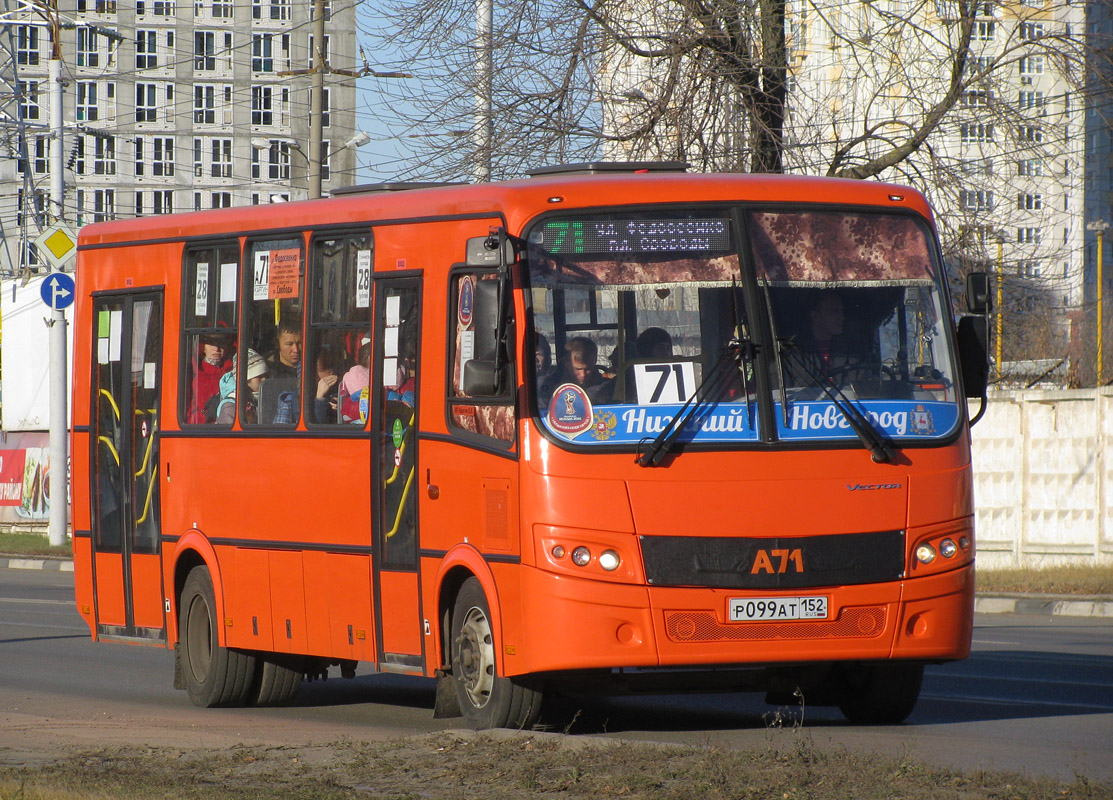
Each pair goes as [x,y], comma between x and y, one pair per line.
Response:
[1036,696]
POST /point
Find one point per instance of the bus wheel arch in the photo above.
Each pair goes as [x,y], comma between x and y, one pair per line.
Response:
[194,550]
[460,563]
[486,699]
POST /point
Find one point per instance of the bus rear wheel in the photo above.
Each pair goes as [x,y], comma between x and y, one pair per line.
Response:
[214,675]
[486,700]
[881,694]
[277,680]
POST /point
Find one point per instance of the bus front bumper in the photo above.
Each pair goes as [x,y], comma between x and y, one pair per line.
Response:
[576,624]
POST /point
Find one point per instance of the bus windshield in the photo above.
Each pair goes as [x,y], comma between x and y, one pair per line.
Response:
[635,315]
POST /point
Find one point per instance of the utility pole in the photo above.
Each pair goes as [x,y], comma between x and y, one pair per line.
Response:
[1100,226]
[316,100]
[316,72]
[484,76]
[59,387]
[56,211]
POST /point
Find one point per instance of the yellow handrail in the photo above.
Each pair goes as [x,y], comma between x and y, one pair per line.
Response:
[401,504]
[147,454]
[111,448]
[111,400]
[147,503]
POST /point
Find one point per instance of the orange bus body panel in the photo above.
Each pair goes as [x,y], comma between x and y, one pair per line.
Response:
[146,577]
[110,589]
[400,633]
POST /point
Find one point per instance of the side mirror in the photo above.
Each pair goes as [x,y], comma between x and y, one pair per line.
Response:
[977,293]
[973,354]
[482,378]
[486,315]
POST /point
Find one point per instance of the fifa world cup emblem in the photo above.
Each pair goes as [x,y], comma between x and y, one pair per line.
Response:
[569,400]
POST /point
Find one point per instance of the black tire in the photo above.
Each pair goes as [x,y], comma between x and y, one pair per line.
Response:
[881,694]
[486,700]
[278,678]
[214,675]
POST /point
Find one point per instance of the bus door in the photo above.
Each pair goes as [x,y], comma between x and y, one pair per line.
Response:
[127,575]
[394,398]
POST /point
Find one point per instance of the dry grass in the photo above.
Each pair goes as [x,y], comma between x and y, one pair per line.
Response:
[32,544]
[506,765]
[1074,580]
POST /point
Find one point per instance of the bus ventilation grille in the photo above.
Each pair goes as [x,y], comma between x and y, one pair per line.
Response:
[702,626]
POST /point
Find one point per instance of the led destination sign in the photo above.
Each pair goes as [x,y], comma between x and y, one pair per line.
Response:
[633,235]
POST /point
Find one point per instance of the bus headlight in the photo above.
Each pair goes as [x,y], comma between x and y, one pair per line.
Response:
[609,560]
[948,548]
[596,555]
[925,554]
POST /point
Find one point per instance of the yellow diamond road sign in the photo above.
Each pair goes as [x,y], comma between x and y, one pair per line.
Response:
[57,244]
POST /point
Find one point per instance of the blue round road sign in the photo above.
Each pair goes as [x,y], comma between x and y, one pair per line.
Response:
[58,290]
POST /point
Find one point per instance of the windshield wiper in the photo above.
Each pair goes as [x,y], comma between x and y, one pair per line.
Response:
[776,349]
[742,336]
[709,387]
[880,449]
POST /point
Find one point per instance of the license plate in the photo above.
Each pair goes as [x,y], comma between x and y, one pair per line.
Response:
[761,609]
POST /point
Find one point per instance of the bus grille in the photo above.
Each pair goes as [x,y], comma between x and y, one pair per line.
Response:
[703,626]
[744,562]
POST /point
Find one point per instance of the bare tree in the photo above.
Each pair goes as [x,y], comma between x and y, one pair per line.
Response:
[980,104]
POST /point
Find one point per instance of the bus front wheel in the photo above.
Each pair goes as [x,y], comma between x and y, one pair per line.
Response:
[214,675]
[486,700]
[881,694]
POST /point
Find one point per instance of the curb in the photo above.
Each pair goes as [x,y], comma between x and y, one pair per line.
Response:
[47,564]
[1044,605]
[1032,605]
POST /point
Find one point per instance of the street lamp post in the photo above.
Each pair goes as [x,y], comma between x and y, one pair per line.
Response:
[1099,227]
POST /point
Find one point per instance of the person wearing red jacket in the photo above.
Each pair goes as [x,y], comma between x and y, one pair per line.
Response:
[213,360]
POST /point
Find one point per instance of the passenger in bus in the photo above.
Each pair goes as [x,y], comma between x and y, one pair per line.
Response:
[543,352]
[213,359]
[654,343]
[824,347]
[577,365]
[354,388]
[327,398]
[285,362]
[256,374]
[405,382]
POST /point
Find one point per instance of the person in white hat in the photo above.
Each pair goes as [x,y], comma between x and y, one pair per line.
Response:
[256,374]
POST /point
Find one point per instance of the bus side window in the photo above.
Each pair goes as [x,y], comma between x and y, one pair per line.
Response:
[339,328]
[208,329]
[494,417]
[273,328]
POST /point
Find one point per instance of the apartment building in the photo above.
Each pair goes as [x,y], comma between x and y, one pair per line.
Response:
[171,105]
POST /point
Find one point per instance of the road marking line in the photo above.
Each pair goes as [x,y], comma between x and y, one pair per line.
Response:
[965,698]
[32,601]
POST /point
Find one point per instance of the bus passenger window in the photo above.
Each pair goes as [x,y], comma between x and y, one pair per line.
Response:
[274,329]
[208,328]
[339,340]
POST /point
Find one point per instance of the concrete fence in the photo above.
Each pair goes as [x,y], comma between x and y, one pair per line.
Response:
[1043,478]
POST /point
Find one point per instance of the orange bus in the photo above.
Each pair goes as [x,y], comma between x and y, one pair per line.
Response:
[613,427]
